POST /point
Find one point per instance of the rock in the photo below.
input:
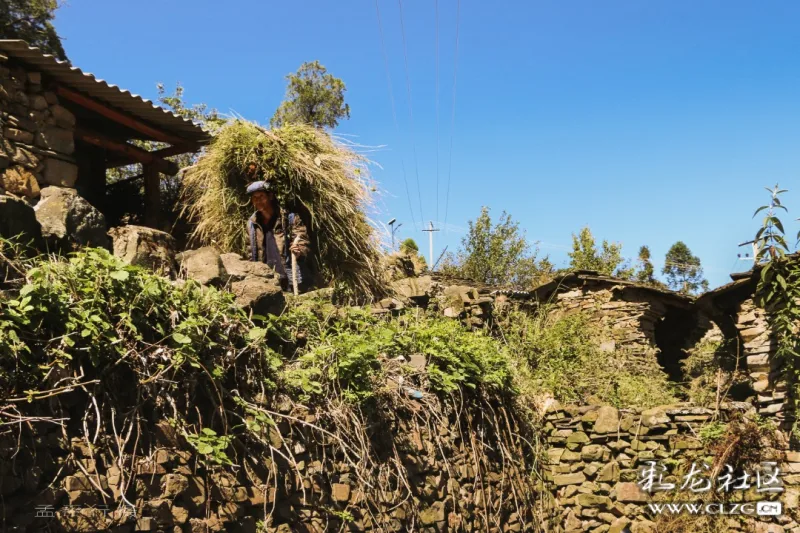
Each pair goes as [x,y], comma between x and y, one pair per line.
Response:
[592,500]
[146,247]
[18,135]
[655,416]
[569,479]
[17,218]
[85,520]
[203,265]
[340,492]
[20,181]
[619,525]
[38,102]
[238,268]
[56,139]
[60,173]
[69,221]
[609,472]
[260,295]
[592,452]
[27,159]
[630,492]
[173,485]
[433,514]
[607,420]
[413,288]
[63,116]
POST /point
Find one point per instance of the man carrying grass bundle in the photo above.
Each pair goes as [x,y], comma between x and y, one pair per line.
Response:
[275,236]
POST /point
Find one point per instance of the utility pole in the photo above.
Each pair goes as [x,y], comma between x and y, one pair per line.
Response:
[430,231]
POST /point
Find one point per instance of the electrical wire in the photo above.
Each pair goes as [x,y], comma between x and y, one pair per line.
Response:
[410,108]
[452,116]
[436,4]
[394,111]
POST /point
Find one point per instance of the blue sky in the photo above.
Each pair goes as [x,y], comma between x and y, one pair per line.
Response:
[651,122]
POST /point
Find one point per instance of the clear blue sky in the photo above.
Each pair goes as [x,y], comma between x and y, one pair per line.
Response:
[649,121]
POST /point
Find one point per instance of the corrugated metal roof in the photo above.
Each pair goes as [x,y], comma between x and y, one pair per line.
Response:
[122,100]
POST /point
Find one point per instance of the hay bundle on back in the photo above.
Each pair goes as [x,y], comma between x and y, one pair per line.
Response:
[314,175]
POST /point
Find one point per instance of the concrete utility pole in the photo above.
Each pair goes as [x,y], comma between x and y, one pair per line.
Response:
[430,231]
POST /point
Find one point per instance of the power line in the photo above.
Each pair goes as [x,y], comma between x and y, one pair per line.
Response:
[394,111]
[452,116]
[410,107]
[436,4]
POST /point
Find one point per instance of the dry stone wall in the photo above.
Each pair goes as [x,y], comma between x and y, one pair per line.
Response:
[37,144]
[758,346]
[595,455]
[456,477]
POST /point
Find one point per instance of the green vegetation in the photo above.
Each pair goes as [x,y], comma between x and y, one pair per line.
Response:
[313,97]
[683,271]
[32,21]
[497,254]
[779,293]
[565,359]
[711,370]
[409,246]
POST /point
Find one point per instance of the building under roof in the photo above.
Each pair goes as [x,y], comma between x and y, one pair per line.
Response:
[108,120]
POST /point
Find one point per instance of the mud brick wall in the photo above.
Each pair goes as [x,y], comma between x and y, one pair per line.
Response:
[36,134]
[594,458]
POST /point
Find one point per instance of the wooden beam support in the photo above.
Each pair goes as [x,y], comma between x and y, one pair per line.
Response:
[127,150]
[152,196]
[164,152]
[117,116]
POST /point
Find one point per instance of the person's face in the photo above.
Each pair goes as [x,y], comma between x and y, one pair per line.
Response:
[261,200]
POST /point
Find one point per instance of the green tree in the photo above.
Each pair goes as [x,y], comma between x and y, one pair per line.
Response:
[646,273]
[683,270]
[31,21]
[497,254]
[313,97]
[608,260]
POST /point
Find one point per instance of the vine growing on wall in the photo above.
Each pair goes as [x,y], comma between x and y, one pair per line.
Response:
[778,293]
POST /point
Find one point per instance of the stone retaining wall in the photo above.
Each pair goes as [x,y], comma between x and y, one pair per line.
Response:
[596,453]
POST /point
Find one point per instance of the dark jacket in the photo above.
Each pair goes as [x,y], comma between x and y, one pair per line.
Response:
[260,230]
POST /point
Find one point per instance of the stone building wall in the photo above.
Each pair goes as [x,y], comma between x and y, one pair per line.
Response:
[594,458]
[758,349]
[37,144]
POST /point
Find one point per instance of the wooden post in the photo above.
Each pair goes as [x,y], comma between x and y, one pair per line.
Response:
[152,196]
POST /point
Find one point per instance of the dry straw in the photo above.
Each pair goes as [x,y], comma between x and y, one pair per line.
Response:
[320,177]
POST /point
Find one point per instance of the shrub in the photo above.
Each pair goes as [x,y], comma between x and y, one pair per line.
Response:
[566,361]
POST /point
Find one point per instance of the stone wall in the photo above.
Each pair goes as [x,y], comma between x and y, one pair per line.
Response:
[455,478]
[758,347]
[595,454]
[37,144]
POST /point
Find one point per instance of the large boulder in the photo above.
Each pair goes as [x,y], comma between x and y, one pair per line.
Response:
[238,269]
[256,286]
[416,290]
[18,220]
[68,221]
[146,247]
[203,265]
[260,295]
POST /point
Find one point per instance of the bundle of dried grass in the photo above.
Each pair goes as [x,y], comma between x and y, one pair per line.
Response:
[321,178]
